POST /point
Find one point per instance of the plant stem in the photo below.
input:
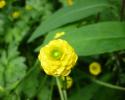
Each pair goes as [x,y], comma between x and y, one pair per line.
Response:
[64,89]
[59,88]
[65,94]
[109,85]
[122,10]
[97,17]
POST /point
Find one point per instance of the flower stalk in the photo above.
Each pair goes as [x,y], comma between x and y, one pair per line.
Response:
[62,92]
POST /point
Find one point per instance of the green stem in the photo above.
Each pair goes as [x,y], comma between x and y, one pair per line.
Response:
[122,10]
[59,88]
[65,94]
[108,85]
[64,89]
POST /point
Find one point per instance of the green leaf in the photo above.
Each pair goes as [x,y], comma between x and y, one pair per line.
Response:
[95,39]
[17,33]
[45,89]
[89,90]
[37,4]
[11,96]
[12,68]
[51,34]
[86,93]
[2,26]
[108,94]
[45,93]
[30,84]
[68,15]
[98,38]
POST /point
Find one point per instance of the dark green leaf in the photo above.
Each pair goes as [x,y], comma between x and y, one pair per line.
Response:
[87,92]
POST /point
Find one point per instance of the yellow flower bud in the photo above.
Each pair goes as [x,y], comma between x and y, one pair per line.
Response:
[57,58]
[70,2]
[69,81]
[95,68]
[59,34]
[2,3]
[16,14]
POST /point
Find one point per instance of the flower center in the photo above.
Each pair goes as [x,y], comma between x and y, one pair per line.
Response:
[94,68]
[56,54]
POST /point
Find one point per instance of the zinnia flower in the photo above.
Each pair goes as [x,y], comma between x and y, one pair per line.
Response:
[57,58]
[95,68]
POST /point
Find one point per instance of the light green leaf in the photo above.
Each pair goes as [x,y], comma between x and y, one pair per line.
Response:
[95,39]
[98,38]
[12,68]
[17,33]
[68,15]
[37,4]
[51,34]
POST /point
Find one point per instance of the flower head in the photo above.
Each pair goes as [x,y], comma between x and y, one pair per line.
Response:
[57,58]
[69,81]
[70,2]
[95,68]
[2,3]
[16,14]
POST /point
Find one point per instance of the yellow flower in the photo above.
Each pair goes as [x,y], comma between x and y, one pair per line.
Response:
[2,3]
[95,68]
[59,34]
[16,14]
[70,2]
[28,7]
[57,58]
[69,81]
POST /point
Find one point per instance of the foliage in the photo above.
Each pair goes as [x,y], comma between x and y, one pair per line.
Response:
[94,28]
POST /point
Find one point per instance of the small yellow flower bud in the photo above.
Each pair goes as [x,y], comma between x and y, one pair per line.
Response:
[16,14]
[57,58]
[2,3]
[70,2]
[95,68]
[59,34]
[69,81]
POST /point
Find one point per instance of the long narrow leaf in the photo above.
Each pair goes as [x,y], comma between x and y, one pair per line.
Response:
[68,15]
[95,39]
